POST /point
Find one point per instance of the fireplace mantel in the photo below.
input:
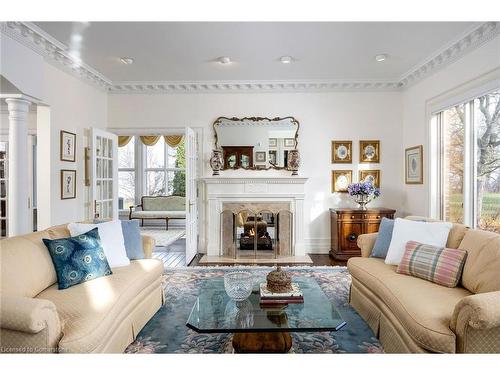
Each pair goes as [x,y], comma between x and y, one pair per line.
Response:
[238,189]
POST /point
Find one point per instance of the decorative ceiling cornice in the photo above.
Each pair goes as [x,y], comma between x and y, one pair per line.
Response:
[53,51]
[250,86]
[464,44]
[57,53]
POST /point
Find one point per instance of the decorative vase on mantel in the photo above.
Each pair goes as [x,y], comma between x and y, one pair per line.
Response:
[216,162]
[363,193]
[294,161]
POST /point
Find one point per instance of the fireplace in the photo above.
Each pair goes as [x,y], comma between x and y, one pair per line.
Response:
[260,230]
[254,217]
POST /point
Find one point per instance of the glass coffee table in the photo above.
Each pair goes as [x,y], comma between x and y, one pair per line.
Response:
[262,329]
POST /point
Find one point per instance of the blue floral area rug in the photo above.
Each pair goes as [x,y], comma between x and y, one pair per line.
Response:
[166,332]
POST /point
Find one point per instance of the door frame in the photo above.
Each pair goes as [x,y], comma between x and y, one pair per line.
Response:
[176,130]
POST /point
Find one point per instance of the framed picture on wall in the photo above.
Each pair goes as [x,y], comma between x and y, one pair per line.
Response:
[273,142]
[341,180]
[341,151]
[260,156]
[68,146]
[68,183]
[289,142]
[369,151]
[414,165]
[372,176]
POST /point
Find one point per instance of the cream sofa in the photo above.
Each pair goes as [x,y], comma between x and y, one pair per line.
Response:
[411,315]
[102,315]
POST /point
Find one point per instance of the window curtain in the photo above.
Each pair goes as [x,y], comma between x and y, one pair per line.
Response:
[123,140]
[173,140]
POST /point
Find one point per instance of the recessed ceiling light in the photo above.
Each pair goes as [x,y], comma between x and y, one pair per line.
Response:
[224,60]
[126,60]
[286,59]
[381,57]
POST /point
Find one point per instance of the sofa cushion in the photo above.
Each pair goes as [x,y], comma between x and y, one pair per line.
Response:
[482,268]
[158,214]
[90,310]
[132,238]
[457,231]
[111,235]
[169,203]
[424,309]
[78,259]
[27,256]
[438,265]
[384,237]
[435,234]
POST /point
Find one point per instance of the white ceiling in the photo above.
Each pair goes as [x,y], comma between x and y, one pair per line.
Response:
[186,51]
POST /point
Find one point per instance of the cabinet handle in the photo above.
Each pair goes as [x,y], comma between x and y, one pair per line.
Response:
[378,216]
[352,237]
[352,217]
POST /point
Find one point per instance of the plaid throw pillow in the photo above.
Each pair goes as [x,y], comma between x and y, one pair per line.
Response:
[436,264]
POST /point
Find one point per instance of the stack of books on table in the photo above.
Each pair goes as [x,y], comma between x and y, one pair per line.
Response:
[268,298]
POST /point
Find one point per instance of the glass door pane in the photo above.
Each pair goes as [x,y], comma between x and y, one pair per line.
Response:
[487,161]
[453,148]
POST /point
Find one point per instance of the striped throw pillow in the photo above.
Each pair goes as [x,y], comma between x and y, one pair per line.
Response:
[436,264]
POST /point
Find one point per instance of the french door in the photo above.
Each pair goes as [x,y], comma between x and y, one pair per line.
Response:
[191,196]
[104,169]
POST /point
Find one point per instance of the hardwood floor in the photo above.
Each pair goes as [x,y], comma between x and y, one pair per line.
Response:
[175,256]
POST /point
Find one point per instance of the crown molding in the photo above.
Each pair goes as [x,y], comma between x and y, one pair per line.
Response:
[462,45]
[53,51]
[57,53]
[250,86]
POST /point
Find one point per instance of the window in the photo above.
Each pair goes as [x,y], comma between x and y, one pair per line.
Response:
[165,169]
[126,175]
[469,162]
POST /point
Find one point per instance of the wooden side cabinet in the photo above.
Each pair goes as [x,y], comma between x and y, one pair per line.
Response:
[347,224]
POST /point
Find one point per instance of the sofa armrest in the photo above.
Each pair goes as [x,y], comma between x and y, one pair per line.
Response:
[366,242]
[148,245]
[476,323]
[29,325]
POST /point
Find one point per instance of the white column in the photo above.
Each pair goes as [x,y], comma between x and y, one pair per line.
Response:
[19,220]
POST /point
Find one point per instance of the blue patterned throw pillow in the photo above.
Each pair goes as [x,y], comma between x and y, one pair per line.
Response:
[78,259]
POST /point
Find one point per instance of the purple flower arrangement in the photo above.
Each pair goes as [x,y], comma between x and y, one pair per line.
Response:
[363,193]
[363,188]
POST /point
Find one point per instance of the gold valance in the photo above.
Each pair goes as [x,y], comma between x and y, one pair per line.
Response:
[123,140]
[173,140]
[151,140]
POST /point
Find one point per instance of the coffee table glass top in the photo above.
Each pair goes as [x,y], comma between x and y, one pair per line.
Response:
[215,312]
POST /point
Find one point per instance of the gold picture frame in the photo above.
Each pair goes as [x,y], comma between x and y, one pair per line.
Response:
[342,152]
[414,165]
[369,151]
[375,173]
[341,180]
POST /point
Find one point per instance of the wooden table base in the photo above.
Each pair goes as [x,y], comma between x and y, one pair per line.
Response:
[262,342]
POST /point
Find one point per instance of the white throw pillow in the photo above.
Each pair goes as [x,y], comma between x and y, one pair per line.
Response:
[429,233]
[111,235]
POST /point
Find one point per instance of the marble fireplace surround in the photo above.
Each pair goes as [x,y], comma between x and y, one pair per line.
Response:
[233,192]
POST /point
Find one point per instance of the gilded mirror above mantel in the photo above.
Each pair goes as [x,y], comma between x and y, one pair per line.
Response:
[256,142]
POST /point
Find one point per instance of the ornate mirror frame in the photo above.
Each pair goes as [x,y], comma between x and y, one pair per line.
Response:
[255,121]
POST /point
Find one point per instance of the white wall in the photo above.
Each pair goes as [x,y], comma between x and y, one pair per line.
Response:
[451,81]
[72,105]
[323,117]
[75,107]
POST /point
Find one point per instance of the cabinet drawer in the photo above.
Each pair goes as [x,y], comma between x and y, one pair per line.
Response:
[351,216]
[373,216]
